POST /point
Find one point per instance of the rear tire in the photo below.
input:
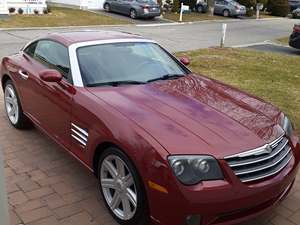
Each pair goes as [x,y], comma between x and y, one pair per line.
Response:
[133,14]
[107,7]
[226,13]
[119,179]
[199,9]
[13,107]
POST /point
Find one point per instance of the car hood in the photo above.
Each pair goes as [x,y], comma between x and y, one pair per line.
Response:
[196,115]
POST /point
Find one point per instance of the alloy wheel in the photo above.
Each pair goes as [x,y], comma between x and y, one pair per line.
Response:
[226,13]
[200,9]
[107,7]
[118,187]
[11,104]
[132,14]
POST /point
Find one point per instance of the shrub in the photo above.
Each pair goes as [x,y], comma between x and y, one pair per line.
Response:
[11,10]
[20,11]
[45,11]
[248,3]
[279,7]
[49,8]
[176,6]
[192,4]
[36,11]
[264,2]
[250,12]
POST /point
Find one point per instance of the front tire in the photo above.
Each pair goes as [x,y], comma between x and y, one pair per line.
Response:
[133,14]
[200,9]
[226,13]
[13,107]
[121,188]
[107,7]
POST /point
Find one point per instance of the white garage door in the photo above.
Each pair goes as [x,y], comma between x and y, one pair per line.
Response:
[95,4]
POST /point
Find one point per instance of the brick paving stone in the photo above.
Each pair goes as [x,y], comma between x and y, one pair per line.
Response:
[30,205]
[67,211]
[54,201]
[296,218]
[35,214]
[51,220]
[28,185]
[41,192]
[17,198]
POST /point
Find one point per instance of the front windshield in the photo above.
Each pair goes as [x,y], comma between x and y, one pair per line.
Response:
[113,62]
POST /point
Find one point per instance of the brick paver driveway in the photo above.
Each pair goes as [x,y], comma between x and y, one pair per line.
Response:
[46,186]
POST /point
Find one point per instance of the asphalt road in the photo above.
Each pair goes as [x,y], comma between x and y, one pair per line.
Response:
[276,48]
[174,37]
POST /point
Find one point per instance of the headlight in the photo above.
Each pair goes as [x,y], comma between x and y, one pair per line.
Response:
[287,126]
[191,169]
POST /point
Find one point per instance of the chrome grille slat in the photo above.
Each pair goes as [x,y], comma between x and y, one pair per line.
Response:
[261,162]
[265,166]
[263,158]
[270,174]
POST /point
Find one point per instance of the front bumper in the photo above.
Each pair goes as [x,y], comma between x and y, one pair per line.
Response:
[239,13]
[150,14]
[224,202]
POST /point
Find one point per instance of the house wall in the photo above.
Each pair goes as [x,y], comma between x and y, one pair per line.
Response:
[86,4]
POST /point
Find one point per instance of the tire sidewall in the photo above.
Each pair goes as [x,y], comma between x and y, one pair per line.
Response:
[107,7]
[139,217]
[135,15]
[20,111]
[199,9]
[224,12]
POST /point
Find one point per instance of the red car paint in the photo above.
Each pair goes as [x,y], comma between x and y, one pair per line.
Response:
[190,115]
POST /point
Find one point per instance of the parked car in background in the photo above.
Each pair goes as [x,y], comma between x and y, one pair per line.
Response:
[295,37]
[294,4]
[229,8]
[133,8]
[201,6]
[296,13]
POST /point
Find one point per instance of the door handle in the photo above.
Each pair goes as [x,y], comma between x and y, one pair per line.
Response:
[23,74]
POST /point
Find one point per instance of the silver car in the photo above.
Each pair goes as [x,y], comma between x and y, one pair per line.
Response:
[133,8]
[229,8]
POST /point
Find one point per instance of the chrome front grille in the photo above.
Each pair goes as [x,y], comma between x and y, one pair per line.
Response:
[262,162]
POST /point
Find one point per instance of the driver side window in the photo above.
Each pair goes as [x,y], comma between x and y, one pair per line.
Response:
[54,56]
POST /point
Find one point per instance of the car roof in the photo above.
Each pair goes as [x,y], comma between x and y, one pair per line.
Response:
[72,37]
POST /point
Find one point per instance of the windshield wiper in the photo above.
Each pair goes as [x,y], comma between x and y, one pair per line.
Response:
[166,77]
[115,83]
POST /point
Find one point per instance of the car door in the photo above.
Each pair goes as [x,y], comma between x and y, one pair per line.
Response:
[126,6]
[113,5]
[48,103]
[219,6]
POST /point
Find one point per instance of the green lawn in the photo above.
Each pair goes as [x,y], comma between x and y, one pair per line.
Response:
[271,76]
[60,17]
[284,40]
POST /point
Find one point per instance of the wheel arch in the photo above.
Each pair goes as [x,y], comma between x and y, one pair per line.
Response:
[4,79]
[99,149]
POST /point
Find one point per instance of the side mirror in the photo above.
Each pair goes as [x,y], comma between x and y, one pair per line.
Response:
[50,76]
[185,60]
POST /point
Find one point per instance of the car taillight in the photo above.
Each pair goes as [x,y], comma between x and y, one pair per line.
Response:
[297,28]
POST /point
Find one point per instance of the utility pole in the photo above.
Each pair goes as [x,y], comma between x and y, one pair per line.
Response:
[4,216]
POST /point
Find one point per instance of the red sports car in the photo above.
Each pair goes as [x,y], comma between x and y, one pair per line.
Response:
[167,146]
